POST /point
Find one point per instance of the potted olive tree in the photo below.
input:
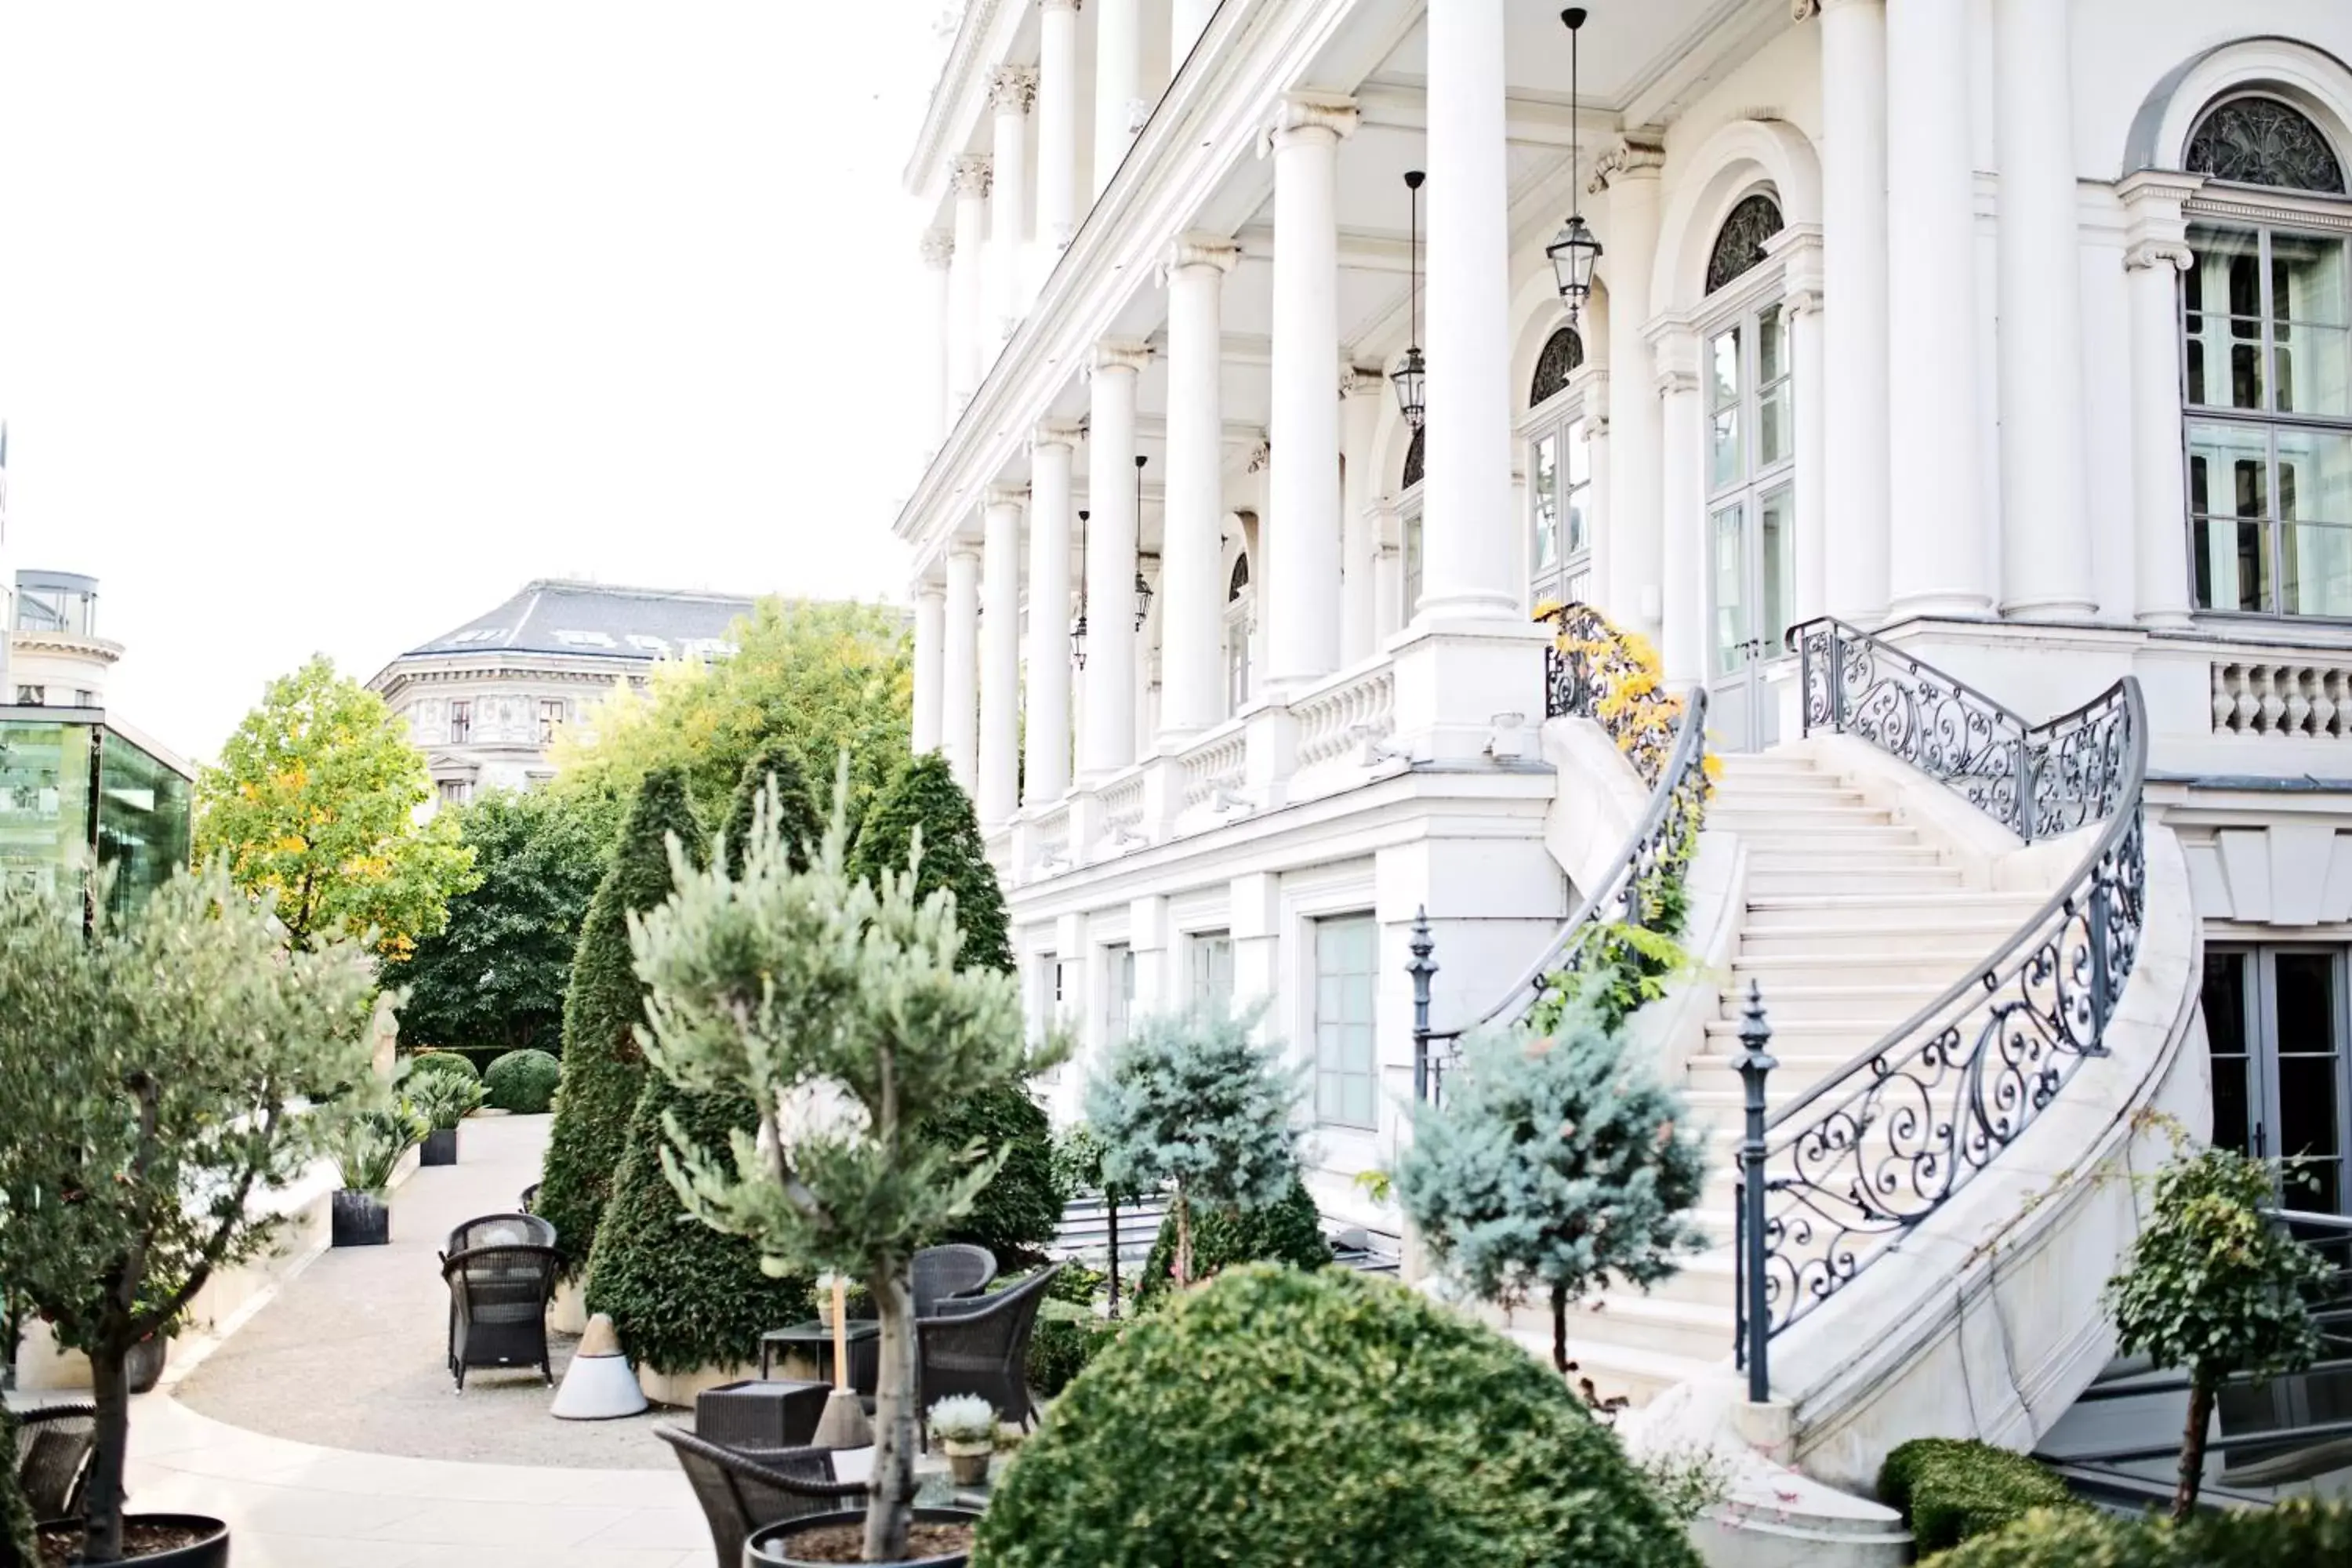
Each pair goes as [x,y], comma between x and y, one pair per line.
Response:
[843,1010]
[161,1072]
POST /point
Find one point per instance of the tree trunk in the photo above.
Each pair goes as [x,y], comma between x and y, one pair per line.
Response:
[1184,1239]
[1559,1330]
[102,1494]
[892,1508]
[2193,1447]
[1111,1209]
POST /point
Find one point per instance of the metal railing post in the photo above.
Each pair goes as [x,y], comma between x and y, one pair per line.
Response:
[1422,968]
[1754,1065]
[2025,823]
[1836,678]
[2102,979]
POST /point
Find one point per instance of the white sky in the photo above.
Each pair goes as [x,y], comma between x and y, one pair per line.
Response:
[324,326]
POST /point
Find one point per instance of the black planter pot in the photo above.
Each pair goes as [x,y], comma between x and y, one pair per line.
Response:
[772,1547]
[143,1365]
[361,1219]
[212,1551]
[440,1147]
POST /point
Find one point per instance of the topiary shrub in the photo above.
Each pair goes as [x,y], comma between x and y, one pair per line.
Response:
[1948,1490]
[1021,1208]
[604,1071]
[1280,1417]
[1060,1348]
[1290,1232]
[2299,1531]
[451,1062]
[522,1081]
[682,1295]
[776,767]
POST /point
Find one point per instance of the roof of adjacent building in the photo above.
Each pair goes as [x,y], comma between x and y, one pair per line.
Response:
[598,620]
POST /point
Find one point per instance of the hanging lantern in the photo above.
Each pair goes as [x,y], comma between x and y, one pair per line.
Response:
[1573,250]
[1410,376]
[1078,626]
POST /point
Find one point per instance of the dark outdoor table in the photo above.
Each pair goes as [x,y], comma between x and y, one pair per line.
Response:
[813,1339]
[773,1413]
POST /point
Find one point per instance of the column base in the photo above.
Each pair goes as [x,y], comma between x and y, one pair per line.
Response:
[2050,610]
[1941,606]
[2167,620]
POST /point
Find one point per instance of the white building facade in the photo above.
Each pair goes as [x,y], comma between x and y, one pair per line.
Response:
[2014,333]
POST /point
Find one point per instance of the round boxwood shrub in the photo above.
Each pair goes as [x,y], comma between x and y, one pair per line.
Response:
[1275,1415]
[522,1081]
[2298,1530]
[429,1060]
[1948,1490]
[1290,1232]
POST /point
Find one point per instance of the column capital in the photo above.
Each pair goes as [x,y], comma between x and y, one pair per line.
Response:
[1013,89]
[1004,495]
[938,248]
[1637,155]
[1798,248]
[1361,380]
[1119,353]
[2152,201]
[1055,433]
[1305,114]
[1071,6]
[1675,348]
[960,548]
[971,173]
[1261,455]
[1804,10]
[2147,253]
[1196,249]
[930,588]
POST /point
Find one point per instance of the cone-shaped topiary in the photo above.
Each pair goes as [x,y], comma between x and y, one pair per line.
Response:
[1279,1416]
[604,1071]
[682,1295]
[775,765]
[1018,1212]
[1290,1232]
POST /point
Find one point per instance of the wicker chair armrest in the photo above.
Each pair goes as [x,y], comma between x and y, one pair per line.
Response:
[747,1463]
[540,1259]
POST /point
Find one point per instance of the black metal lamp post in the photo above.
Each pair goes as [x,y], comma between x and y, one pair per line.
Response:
[1424,968]
[1411,373]
[1573,250]
[1079,626]
[1754,1065]
[1142,588]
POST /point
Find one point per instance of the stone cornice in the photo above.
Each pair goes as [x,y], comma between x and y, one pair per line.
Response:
[963,58]
[66,644]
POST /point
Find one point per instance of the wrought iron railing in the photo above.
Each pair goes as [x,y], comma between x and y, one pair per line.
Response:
[1629,890]
[1881,1144]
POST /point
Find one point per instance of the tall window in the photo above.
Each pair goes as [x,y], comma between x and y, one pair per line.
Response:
[1213,969]
[32,695]
[1559,478]
[461,721]
[551,716]
[1409,508]
[1241,620]
[1347,959]
[1118,998]
[2275,1019]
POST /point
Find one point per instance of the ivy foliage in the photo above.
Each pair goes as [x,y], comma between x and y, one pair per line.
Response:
[524,1082]
[1555,1164]
[1289,1232]
[1275,1416]
[604,1071]
[313,801]
[1949,1490]
[2298,1530]
[495,975]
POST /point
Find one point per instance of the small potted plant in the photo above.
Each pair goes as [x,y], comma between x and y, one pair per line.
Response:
[367,1151]
[965,1428]
[440,1100]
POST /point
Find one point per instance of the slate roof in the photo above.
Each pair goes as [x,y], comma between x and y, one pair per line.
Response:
[597,620]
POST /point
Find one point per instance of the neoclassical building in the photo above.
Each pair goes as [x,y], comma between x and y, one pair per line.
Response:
[2014,335]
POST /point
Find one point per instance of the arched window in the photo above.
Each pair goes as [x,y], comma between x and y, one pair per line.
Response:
[1562,353]
[1413,460]
[2258,140]
[1239,582]
[1739,243]
[1241,620]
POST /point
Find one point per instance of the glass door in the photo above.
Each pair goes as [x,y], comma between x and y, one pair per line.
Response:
[2275,1021]
[1752,523]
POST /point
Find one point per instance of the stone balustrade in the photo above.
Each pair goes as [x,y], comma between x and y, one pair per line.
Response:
[1341,720]
[2284,699]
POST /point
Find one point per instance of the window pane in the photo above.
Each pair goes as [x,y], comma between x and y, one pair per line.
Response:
[2314,477]
[2315,570]
[2232,570]
[1723,371]
[2222,297]
[1771,346]
[1543,489]
[1777,549]
[1411,565]
[2225,1031]
[1728,562]
[1723,446]
[2307,1083]
[1775,440]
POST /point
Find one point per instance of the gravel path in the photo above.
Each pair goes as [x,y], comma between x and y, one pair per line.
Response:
[349,1355]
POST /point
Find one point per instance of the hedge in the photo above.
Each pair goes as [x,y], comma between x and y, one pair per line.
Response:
[2297,1533]
[1281,1417]
[1290,1232]
[522,1081]
[1060,1348]
[431,1061]
[1949,1490]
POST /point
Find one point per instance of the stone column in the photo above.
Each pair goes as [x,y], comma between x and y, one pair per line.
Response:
[1601,464]
[1106,740]
[1118,82]
[1057,122]
[2045,501]
[1682,504]
[971,177]
[1801,307]
[1636,553]
[1011,92]
[959,679]
[2159,252]
[930,628]
[1364,386]
[1852,369]
[1192,610]
[1937,560]
[1303,483]
[1000,659]
[1469,531]
[1045,776]
[1186,20]
[938,252]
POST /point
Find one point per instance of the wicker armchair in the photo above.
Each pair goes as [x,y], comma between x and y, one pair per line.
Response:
[490,1230]
[53,1452]
[741,1489]
[497,1304]
[942,1273]
[980,1344]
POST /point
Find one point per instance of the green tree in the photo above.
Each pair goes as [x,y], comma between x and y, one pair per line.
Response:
[1289,1232]
[313,803]
[603,1069]
[819,675]
[1553,1164]
[496,974]
[775,770]
[160,1075]
[1189,1098]
[2215,1289]
[843,1010]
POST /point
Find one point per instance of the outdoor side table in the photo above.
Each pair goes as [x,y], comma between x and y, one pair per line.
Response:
[770,1414]
[809,1346]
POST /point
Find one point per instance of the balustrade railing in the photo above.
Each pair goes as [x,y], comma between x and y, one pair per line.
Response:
[1877,1146]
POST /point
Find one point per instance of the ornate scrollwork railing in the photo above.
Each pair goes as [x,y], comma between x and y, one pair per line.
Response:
[1880,1144]
[1632,889]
